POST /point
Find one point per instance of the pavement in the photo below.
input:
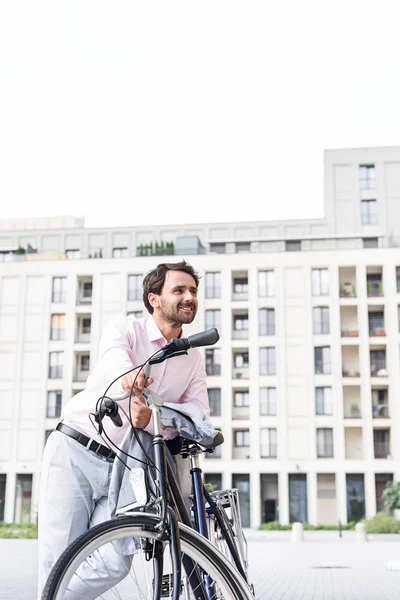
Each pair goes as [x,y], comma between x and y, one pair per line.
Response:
[323,567]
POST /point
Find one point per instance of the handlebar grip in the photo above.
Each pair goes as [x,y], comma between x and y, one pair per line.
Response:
[205,338]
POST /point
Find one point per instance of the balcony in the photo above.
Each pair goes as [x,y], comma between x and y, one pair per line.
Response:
[240,325]
[376,322]
[83,329]
[353,443]
[380,403]
[350,361]
[374,282]
[240,364]
[347,282]
[84,291]
[81,367]
[240,285]
[378,361]
[352,402]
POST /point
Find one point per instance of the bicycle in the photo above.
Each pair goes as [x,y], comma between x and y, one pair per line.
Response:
[125,557]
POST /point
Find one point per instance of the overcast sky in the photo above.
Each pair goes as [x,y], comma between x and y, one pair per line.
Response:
[132,112]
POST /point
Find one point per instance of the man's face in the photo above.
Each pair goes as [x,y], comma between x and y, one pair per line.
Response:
[177,303]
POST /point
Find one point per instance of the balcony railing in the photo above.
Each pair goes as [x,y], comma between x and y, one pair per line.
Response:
[349,333]
[240,334]
[240,373]
[377,332]
[378,371]
[350,373]
[353,411]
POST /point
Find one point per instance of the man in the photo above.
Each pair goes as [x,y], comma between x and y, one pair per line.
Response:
[76,471]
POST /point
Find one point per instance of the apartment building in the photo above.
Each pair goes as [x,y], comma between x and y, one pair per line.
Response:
[304,380]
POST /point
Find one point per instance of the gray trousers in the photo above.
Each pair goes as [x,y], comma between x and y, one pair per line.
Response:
[73,497]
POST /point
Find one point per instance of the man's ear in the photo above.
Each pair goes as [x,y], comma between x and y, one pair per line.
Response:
[154,300]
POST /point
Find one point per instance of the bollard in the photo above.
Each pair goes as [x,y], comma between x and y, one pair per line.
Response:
[361,533]
[297,532]
[340,529]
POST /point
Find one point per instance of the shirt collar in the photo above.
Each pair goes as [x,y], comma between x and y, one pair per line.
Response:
[153,331]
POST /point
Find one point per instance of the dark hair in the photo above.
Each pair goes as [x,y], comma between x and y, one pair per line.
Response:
[155,279]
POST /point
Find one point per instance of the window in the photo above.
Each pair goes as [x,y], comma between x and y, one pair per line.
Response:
[213,319]
[56,364]
[59,291]
[268,443]
[319,281]
[3,485]
[378,363]
[23,496]
[242,247]
[320,319]
[218,248]
[47,434]
[57,327]
[323,400]
[398,279]
[87,289]
[213,361]
[382,443]
[54,403]
[241,360]
[73,254]
[241,399]
[214,398]
[268,401]
[267,361]
[367,177]
[135,287]
[241,322]
[86,325]
[322,360]
[84,362]
[293,245]
[213,285]
[240,285]
[242,438]
[370,242]
[324,443]
[120,252]
[266,284]
[266,321]
[368,212]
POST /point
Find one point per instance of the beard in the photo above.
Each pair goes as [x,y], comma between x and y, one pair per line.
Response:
[175,316]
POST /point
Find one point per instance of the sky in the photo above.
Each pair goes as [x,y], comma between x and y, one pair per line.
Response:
[168,112]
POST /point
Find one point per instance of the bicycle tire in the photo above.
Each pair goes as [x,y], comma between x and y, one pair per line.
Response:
[197,548]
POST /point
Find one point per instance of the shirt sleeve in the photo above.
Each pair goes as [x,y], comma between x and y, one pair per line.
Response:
[114,359]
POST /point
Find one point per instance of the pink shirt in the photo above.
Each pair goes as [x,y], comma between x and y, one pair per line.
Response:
[126,343]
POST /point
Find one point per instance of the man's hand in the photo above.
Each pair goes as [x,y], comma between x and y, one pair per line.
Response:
[140,383]
[140,412]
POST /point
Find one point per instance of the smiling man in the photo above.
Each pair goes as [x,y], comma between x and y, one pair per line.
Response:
[77,464]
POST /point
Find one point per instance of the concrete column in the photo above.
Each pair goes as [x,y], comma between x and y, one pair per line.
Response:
[312,497]
[255,500]
[283,487]
[370,495]
[341,497]
[10,497]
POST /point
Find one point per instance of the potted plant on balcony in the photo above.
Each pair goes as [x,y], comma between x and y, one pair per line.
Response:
[391,498]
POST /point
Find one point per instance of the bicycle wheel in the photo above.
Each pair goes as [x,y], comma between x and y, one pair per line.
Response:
[93,567]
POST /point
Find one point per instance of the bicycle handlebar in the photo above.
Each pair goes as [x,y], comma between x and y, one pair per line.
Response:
[179,346]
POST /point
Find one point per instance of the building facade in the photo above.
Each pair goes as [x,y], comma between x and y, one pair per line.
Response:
[304,380]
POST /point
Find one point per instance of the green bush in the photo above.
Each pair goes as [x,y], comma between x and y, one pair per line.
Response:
[14,530]
[391,495]
[382,523]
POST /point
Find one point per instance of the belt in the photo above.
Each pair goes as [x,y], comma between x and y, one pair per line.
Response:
[89,443]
